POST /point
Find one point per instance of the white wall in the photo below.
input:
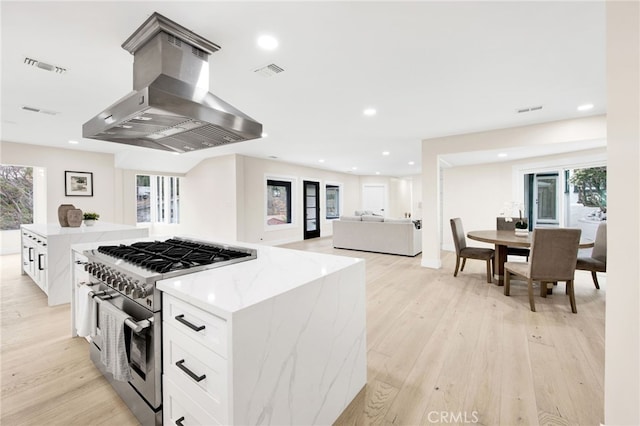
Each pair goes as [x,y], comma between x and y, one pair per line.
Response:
[254,187]
[208,200]
[622,344]
[487,187]
[56,161]
[585,129]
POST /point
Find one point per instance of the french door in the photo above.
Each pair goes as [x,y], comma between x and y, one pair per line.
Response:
[311,209]
[546,192]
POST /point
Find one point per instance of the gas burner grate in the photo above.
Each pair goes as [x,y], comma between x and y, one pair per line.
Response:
[172,255]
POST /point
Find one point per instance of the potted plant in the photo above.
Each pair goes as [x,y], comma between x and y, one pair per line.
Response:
[90,218]
[522,228]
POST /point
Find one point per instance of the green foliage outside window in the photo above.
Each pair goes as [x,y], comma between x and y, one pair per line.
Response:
[591,186]
[16,196]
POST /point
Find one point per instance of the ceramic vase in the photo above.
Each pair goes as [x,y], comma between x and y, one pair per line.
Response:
[62,214]
[74,217]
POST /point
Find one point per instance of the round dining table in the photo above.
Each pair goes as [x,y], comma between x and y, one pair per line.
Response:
[503,239]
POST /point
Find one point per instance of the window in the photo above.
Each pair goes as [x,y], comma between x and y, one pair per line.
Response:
[332,201]
[158,199]
[16,186]
[278,202]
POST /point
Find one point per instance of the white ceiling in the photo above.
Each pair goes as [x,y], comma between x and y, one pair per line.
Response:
[429,68]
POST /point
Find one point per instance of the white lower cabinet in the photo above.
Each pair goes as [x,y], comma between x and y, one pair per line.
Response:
[34,258]
[195,373]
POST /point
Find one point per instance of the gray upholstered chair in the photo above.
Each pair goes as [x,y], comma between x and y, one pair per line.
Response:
[553,256]
[597,262]
[463,252]
[503,225]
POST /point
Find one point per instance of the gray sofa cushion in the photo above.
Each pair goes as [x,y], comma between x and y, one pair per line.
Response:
[372,218]
[396,220]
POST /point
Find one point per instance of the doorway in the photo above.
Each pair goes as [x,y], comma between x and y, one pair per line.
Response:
[311,209]
[546,198]
[374,198]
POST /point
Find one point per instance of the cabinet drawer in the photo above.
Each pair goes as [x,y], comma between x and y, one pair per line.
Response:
[177,405]
[198,371]
[202,326]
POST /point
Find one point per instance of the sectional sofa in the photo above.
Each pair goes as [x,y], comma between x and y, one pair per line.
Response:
[377,234]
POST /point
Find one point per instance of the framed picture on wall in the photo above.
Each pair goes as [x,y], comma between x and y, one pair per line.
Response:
[78,184]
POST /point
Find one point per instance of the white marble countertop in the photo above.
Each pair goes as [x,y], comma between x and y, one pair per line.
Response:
[223,291]
[50,229]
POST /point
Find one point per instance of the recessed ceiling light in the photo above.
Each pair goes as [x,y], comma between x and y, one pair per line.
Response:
[585,107]
[264,135]
[74,142]
[502,154]
[321,160]
[385,153]
[176,153]
[267,42]
[377,173]
[411,163]
[354,168]
[369,112]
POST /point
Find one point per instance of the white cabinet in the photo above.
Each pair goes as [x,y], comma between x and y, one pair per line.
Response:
[46,253]
[34,258]
[195,367]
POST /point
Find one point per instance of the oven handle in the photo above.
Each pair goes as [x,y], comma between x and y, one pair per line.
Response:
[135,326]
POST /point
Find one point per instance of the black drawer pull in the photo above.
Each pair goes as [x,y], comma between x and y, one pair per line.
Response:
[31,251]
[40,267]
[180,318]
[179,421]
[180,365]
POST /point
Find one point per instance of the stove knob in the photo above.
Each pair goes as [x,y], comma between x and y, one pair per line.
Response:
[136,293]
[128,288]
[87,266]
[118,283]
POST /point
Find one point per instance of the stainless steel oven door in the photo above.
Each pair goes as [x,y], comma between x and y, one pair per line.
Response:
[143,347]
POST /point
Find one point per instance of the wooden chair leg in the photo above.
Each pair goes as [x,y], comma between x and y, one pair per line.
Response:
[455,273]
[572,297]
[507,282]
[464,262]
[531,302]
[489,274]
[595,279]
[543,289]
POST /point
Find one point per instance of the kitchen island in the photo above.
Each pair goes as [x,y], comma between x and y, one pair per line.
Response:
[46,252]
[279,339]
[284,341]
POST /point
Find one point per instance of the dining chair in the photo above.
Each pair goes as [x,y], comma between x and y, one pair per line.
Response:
[597,262]
[503,225]
[553,256]
[463,252]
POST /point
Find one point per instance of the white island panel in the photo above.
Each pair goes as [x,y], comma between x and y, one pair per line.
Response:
[300,357]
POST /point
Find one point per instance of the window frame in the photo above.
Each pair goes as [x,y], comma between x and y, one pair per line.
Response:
[163,196]
[340,189]
[290,182]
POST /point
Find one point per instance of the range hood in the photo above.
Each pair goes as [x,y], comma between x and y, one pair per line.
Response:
[170,107]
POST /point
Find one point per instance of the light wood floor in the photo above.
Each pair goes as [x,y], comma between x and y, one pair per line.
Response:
[441,350]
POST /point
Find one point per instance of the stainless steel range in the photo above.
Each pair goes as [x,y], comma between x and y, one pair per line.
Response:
[125,277]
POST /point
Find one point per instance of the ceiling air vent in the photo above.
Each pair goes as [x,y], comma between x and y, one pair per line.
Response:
[529,109]
[42,111]
[268,70]
[45,66]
